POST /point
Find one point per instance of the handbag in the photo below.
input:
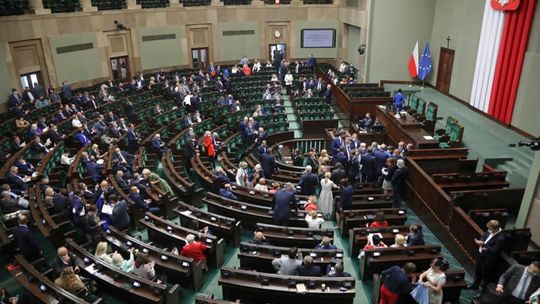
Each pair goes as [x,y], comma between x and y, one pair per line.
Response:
[420,294]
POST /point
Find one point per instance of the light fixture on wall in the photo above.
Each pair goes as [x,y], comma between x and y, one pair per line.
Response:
[362,49]
[119,26]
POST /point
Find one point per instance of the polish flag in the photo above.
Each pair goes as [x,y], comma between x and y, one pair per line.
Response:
[413,62]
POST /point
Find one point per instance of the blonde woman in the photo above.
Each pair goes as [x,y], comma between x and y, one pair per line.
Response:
[101,252]
[71,282]
[119,262]
[154,179]
[326,197]
[242,175]
[399,241]
[313,220]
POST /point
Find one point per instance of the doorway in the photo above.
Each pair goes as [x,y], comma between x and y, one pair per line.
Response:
[30,79]
[199,58]
[444,72]
[120,68]
[278,52]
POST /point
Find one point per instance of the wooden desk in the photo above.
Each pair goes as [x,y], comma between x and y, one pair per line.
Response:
[294,236]
[246,286]
[32,280]
[378,259]
[117,280]
[178,268]
[260,257]
[362,217]
[222,226]
[358,236]
[172,235]
[407,131]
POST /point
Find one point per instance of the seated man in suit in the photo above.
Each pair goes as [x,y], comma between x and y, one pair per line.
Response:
[326,243]
[519,282]
[366,122]
[25,239]
[119,217]
[93,169]
[259,238]
[309,269]
[337,271]
[119,178]
[18,182]
[222,176]
[65,259]
[25,167]
[227,193]
[135,196]
[308,182]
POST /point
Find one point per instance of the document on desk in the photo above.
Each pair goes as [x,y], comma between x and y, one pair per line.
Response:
[186,212]
[91,269]
[301,288]
[427,137]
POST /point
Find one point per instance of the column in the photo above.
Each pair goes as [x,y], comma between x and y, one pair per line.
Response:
[174,3]
[86,6]
[37,7]
[530,205]
[132,5]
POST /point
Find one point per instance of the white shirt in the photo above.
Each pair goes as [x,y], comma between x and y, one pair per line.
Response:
[288,79]
[314,223]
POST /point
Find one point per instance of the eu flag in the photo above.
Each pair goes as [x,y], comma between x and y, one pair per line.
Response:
[424,67]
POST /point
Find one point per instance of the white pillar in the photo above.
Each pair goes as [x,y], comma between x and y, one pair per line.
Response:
[174,3]
[86,6]
[132,5]
[37,7]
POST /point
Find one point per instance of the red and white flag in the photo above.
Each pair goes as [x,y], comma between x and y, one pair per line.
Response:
[413,62]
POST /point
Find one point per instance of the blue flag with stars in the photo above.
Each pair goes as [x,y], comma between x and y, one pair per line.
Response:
[425,65]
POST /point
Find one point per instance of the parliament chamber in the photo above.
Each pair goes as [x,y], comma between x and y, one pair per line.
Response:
[269,151]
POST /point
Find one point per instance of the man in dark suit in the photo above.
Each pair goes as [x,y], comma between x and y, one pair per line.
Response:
[25,240]
[120,181]
[268,163]
[158,144]
[308,182]
[136,196]
[490,247]
[309,269]
[65,259]
[398,182]
[519,282]
[262,148]
[133,140]
[369,167]
[346,196]
[38,90]
[93,170]
[366,122]
[15,99]
[337,142]
[80,138]
[16,181]
[54,135]
[282,203]
[328,94]
[226,192]
[119,217]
